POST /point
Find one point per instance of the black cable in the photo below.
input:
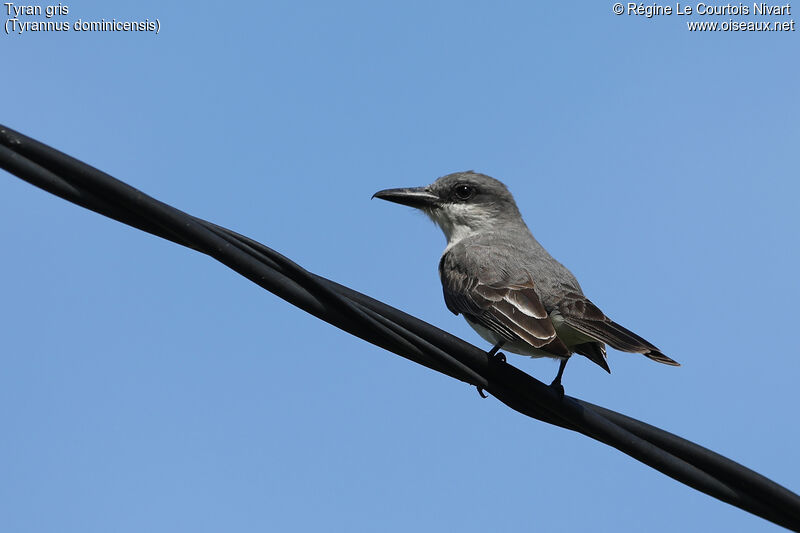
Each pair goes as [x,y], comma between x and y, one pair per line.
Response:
[396,331]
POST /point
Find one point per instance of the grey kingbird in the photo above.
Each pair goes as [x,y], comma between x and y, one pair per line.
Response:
[505,284]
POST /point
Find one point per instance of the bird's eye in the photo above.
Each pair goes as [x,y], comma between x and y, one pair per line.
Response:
[464,192]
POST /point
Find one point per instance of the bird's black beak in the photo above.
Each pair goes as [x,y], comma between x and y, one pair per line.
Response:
[419,197]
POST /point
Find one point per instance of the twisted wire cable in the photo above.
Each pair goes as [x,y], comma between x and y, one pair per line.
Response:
[398,332]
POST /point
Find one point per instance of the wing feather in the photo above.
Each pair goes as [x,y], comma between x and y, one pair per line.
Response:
[510,308]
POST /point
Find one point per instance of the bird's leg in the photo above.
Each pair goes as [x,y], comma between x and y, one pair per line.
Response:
[556,384]
[493,355]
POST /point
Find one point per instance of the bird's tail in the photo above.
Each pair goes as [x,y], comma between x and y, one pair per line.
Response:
[655,355]
[620,338]
[624,339]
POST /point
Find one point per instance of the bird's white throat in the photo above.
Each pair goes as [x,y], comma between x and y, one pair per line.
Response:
[459,221]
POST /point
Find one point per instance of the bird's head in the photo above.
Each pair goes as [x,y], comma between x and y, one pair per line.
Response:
[461,203]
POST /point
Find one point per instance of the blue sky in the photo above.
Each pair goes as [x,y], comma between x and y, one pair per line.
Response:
[145,387]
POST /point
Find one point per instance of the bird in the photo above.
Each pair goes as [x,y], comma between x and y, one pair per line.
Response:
[507,287]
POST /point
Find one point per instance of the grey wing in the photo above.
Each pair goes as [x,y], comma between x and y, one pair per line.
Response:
[490,295]
[580,313]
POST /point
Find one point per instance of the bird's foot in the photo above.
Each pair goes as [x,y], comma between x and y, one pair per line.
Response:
[499,356]
[493,353]
[495,356]
[558,388]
